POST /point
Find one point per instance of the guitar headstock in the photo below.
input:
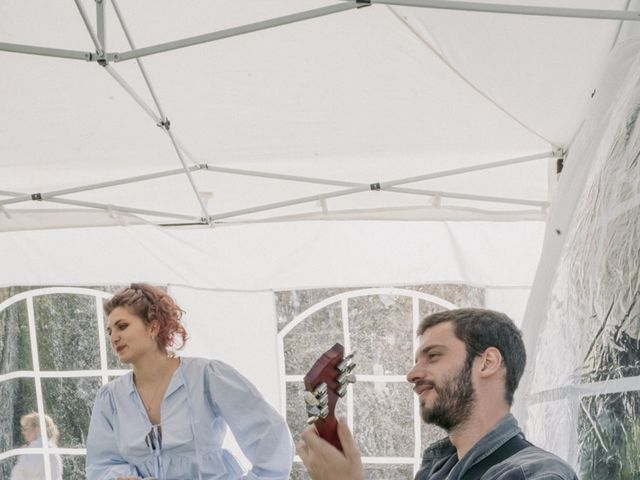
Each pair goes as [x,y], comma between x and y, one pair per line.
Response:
[325,383]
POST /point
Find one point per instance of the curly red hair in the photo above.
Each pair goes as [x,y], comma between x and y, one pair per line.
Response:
[153,304]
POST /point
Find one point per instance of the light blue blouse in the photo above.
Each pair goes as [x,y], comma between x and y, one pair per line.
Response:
[203,397]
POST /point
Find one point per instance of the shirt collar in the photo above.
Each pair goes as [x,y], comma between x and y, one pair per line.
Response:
[177,380]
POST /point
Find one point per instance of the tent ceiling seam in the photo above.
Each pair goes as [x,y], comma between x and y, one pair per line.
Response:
[459,74]
[480,7]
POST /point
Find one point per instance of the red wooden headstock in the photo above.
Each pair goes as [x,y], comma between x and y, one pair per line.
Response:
[325,383]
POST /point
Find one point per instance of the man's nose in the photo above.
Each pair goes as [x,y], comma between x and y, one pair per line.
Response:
[413,374]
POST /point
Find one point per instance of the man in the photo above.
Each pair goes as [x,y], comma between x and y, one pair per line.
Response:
[467,368]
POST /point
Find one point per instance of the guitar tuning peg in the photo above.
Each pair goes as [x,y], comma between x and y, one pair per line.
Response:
[341,391]
[310,399]
[320,390]
[312,420]
[324,413]
[346,361]
[313,411]
[346,377]
[323,400]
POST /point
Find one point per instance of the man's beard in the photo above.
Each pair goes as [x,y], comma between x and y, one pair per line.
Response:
[454,401]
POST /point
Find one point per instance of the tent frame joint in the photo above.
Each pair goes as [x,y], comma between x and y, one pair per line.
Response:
[375,187]
[36,197]
[559,152]
[164,124]
[363,3]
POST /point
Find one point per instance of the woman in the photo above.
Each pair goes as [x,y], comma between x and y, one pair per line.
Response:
[167,418]
[29,467]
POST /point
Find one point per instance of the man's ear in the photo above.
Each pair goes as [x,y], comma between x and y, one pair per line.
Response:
[490,362]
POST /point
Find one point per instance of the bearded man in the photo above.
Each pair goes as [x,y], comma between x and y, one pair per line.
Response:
[467,368]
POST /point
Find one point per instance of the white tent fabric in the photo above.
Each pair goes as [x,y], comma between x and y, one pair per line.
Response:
[355,99]
[280,256]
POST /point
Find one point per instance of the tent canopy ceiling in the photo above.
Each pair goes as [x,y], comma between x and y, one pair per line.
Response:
[342,102]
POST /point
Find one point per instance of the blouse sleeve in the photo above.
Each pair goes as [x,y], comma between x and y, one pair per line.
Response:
[259,429]
[103,460]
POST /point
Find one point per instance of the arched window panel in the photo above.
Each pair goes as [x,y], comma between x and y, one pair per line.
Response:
[380,325]
[54,357]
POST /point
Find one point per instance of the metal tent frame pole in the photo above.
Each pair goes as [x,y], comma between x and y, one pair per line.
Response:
[625,15]
[595,14]
[232,32]
[23,197]
[164,123]
[411,191]
[97,206]
[380,186]
[53,196]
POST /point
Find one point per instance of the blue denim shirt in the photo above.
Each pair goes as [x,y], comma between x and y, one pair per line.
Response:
[440,460]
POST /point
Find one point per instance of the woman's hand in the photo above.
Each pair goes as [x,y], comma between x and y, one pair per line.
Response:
[324,461]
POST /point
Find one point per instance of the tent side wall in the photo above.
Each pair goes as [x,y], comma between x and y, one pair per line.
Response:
[582,322]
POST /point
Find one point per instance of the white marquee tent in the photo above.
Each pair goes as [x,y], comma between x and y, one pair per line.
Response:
[232,148]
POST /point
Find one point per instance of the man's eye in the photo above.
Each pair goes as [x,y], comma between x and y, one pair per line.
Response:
[431,356]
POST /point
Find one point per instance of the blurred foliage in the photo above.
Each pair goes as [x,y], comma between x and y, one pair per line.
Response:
[67,332]
[608,426]
[609,437]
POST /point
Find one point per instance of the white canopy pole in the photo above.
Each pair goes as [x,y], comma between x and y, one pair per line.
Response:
[87,24]
[468,196]
[232,32]
[45,51]
[118,208]
[22,197]
[127,34]
[164,124]
[382,185]
[100,17]
[517,9]
[99,206]
[411,191]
